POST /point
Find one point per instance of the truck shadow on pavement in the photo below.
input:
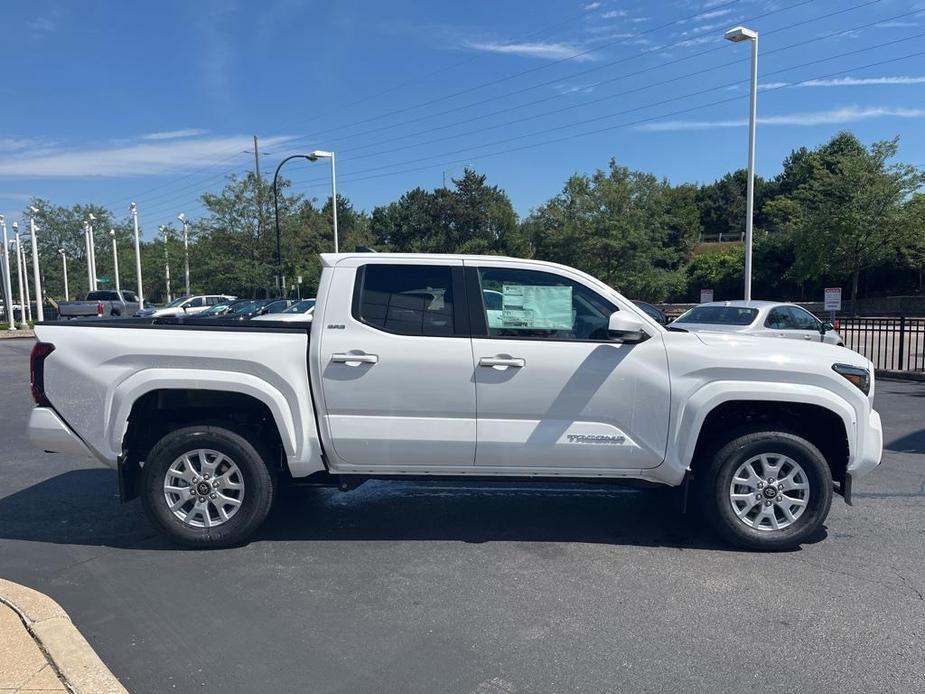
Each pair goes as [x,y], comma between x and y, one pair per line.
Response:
[81,508]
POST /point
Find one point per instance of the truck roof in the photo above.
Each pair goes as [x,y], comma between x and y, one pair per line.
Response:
[331,259]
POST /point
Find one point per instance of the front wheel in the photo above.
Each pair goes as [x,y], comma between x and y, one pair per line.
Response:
[208,487]
[766,490]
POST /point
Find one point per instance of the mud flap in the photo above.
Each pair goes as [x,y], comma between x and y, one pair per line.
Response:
[128,479]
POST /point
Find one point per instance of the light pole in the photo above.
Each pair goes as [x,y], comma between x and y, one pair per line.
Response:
[115,259]
[36,276]
[141,294]
[185,223]
[7,284]
[321,154]
[87,255]
[166,233]
[25,307]
[92,251]
[736,35]
[67,293]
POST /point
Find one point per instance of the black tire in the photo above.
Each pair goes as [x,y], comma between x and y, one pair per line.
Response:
[252,460]
[713,483]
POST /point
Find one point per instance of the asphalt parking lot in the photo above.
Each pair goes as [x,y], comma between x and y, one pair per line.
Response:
[400,587]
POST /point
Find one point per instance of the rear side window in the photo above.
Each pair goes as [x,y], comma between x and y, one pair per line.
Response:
[102,296]
[406,299]
[129,296]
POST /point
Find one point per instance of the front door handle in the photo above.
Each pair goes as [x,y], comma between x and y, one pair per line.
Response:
[807,337]
[355,359]
[516,362]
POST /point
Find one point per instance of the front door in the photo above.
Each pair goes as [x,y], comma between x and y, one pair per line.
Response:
[553,390]
[396,367]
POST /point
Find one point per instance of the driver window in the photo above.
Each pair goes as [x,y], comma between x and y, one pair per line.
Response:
[542,305]
[779,319]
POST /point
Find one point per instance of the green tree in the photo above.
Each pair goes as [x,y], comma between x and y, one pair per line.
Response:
[851,204]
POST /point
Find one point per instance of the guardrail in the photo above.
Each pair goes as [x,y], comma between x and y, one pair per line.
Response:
[896,344]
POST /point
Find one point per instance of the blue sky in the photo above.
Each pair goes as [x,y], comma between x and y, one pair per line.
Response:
[109,102]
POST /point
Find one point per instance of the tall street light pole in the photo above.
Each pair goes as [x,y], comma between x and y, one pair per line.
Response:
[22,296]
[92,252]
[279,252]
[139,291]
[166,233]
[67,293]
[86,230]
[36,276]
[185,223]
[736,35]
[115,259]
[7,283]
[24,279]
[321,154]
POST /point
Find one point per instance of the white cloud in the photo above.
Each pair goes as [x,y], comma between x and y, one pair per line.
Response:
[174,134]
[591,6]
[712,15]
[697,41]
[895,25]
[574,88]
[613,14]
[142,158]
[838,116]
[551,51]
[861,81]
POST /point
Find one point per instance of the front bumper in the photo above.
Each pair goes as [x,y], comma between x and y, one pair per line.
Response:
[49,432]
[871,449]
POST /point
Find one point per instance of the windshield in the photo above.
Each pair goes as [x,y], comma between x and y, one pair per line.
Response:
[300,306]
[720,315]
[176,302]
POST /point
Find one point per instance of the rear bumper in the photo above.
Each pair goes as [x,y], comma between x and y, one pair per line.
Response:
[871,449]
[49,432]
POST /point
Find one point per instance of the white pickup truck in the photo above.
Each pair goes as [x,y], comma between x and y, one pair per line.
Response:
[476,367]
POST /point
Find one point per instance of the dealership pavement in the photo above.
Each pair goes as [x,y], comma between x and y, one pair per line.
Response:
[437,587]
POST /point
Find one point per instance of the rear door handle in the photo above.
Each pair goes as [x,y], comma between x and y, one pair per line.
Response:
[807,337]
[355,359]
[516,362]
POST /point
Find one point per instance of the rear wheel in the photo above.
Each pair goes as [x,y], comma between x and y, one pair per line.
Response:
[766,490]
[206,486]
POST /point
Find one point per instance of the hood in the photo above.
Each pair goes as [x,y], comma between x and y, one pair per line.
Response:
[780,347]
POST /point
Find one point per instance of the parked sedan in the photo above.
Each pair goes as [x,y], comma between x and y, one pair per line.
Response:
[245,310]
[761,318]
[302,310]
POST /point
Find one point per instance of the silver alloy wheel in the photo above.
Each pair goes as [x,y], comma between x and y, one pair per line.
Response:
[769,492]
[204,488]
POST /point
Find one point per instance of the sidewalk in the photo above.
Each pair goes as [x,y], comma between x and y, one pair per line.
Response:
[22,332]
[41,649]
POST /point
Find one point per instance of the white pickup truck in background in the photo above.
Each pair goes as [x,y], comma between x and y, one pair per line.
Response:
[474,367]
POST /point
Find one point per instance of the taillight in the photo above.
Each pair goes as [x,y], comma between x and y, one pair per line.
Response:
[37,371]
[99,309]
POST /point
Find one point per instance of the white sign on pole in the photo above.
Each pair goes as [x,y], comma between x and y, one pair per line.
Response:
[833,299]
[706,296]
[300,279]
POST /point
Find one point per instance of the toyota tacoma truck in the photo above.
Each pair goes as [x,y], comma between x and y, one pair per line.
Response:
[464,367]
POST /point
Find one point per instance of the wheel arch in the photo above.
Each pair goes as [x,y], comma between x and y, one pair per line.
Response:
[824,422]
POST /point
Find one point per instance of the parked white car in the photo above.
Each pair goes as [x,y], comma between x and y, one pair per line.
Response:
[759,318]
[409,371]
[190,305]
[301,310]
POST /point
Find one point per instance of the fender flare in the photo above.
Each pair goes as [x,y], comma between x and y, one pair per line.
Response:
[127,393]
[698,405]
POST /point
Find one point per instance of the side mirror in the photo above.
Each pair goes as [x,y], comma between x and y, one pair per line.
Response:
[826,327]
[184,307]
[626,328]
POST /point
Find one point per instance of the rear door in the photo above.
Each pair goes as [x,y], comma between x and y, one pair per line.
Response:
[395,365]
[553,390]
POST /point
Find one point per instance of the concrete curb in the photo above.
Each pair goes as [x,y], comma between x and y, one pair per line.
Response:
[900,375]
[74,659]
[16,334]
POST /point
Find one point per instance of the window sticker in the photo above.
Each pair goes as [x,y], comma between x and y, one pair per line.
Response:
[536,307]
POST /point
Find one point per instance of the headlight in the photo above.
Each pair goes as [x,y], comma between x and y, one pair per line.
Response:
[857,375]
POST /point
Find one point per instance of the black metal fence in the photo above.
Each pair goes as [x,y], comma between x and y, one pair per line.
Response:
[890,343]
